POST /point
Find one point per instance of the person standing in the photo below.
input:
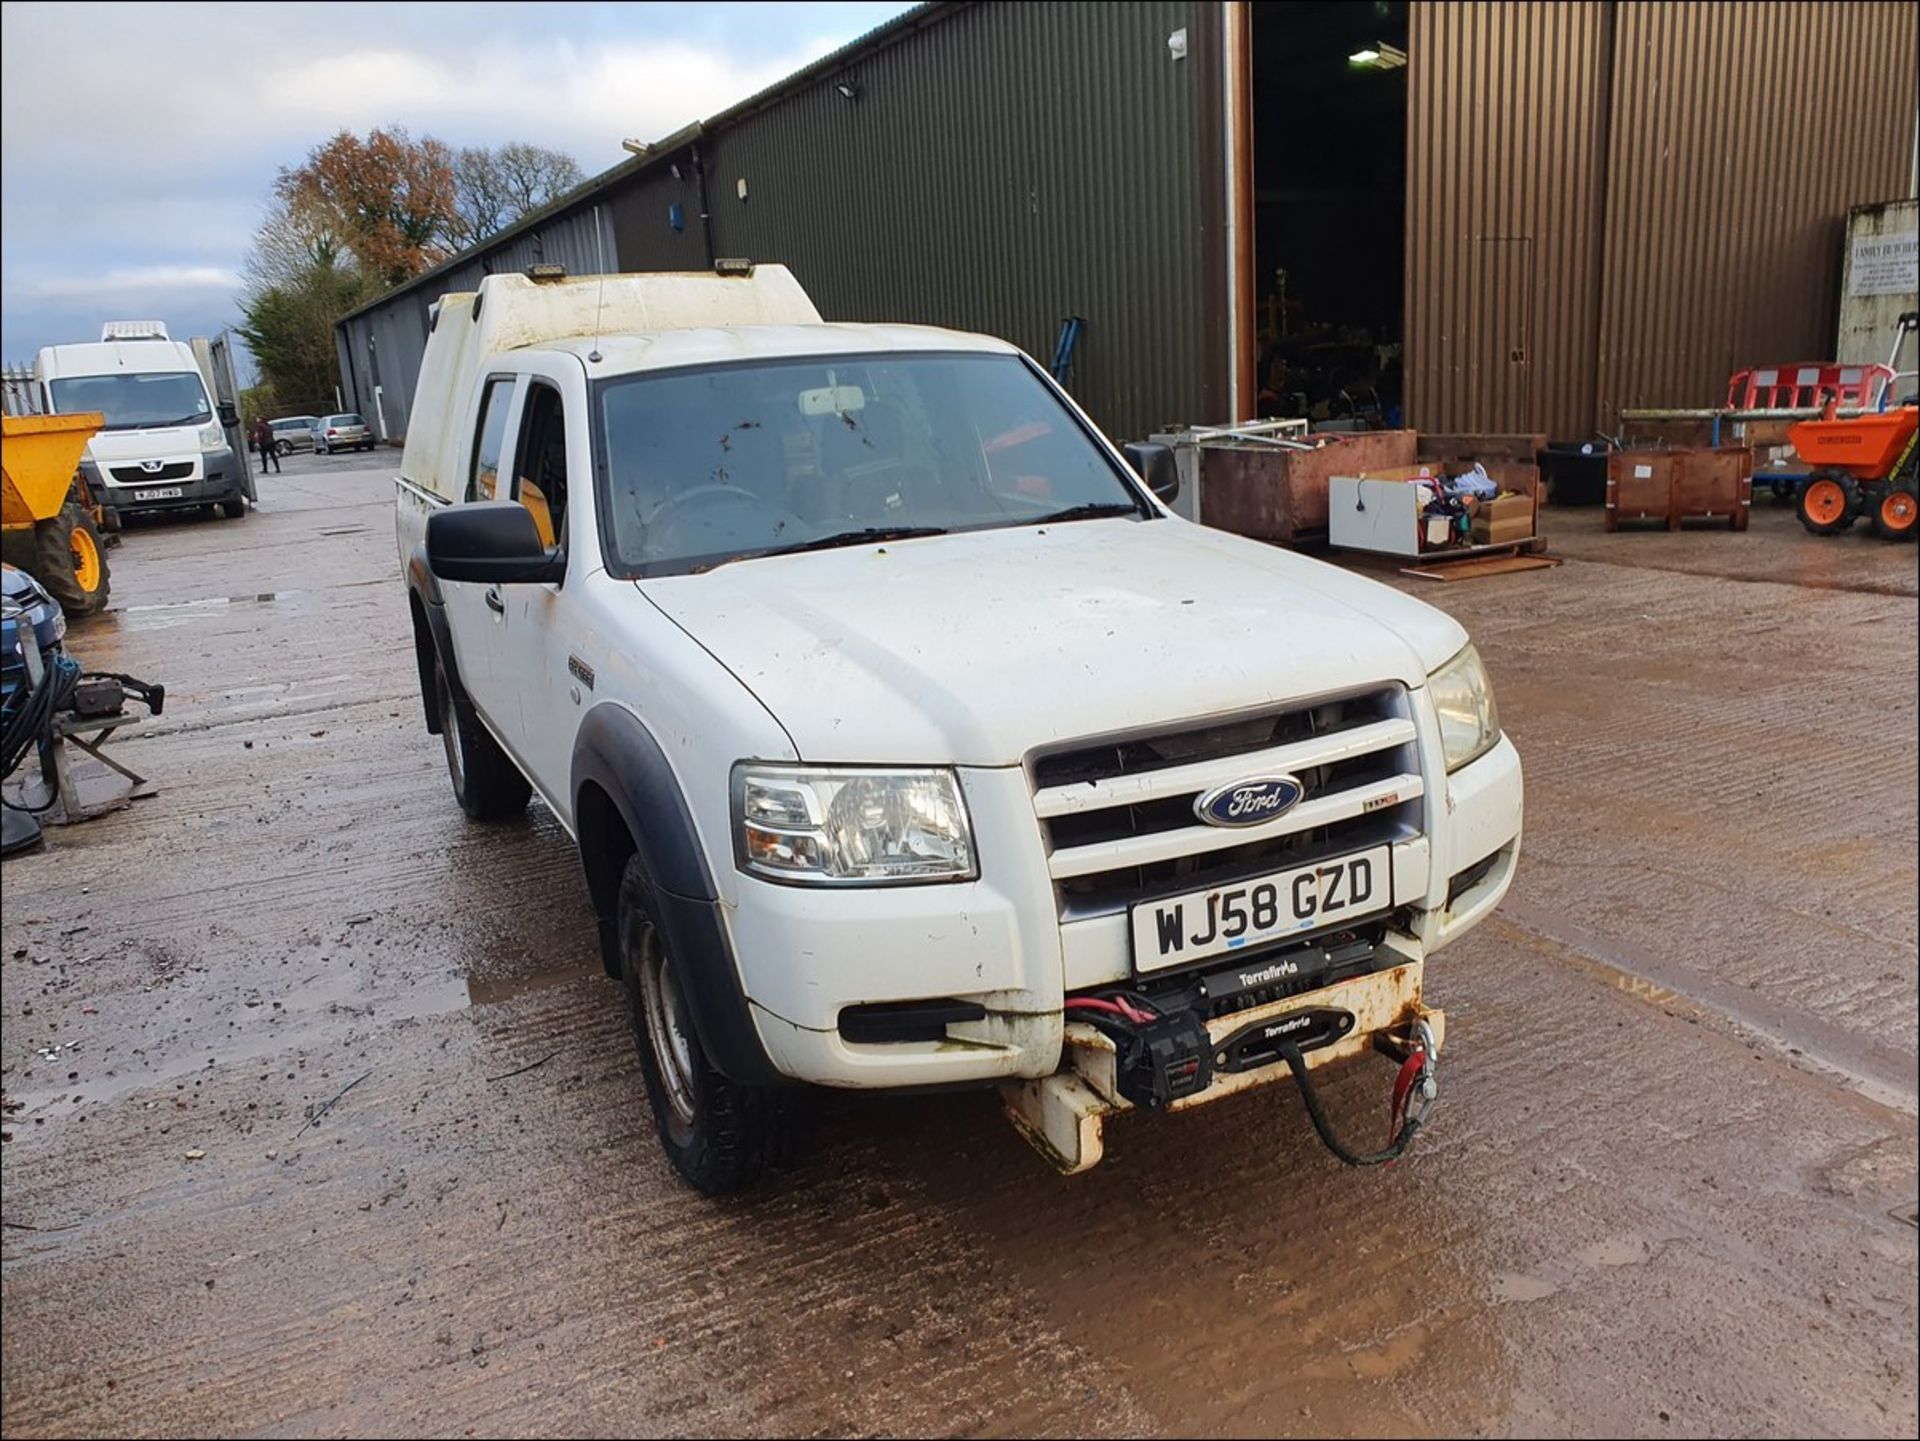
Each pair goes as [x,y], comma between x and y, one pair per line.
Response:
[263,442]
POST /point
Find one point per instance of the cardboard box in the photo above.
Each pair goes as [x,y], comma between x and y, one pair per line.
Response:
[1487,531]
[1505,507]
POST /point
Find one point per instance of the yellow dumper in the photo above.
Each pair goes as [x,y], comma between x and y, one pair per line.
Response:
[51,526]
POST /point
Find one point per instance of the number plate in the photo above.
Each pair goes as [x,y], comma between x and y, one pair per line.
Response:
[1179,929]
[165,492]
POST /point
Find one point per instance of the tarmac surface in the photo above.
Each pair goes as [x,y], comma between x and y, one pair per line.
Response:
[321,1118]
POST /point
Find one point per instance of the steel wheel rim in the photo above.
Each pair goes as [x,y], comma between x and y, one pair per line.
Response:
[86,560]
[1898,510]
[1826,501]
[666,1032]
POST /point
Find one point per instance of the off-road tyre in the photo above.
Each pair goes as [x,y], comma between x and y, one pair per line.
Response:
[1896,513]
[1829,503]
[487,784]
[70,560]
[721,1136]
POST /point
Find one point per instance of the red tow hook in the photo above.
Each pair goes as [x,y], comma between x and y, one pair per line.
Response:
[1416,1077]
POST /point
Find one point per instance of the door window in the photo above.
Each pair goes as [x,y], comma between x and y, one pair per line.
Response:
[540,467]
[483,481]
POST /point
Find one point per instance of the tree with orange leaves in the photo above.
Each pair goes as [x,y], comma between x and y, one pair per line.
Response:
[390,198]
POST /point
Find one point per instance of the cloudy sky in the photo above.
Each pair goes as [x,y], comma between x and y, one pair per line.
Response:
[138,143]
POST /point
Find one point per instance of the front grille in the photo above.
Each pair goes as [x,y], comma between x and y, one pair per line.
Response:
[135,475]
[1118,813]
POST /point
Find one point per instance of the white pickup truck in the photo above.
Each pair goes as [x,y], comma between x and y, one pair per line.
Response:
[909,740]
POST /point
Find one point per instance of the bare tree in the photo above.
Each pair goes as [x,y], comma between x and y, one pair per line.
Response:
[535,176]
[480,201]
[496,188]
[290,243]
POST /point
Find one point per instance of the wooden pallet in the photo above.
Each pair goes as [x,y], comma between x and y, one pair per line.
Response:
[1485,565]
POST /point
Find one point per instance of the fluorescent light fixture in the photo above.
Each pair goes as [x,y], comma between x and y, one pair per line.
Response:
[1378,56]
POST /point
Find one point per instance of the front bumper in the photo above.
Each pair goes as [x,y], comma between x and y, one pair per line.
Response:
[218,479]
[1063,1115]
[806,954]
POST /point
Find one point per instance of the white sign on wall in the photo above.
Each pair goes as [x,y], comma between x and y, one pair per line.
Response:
[1885,265]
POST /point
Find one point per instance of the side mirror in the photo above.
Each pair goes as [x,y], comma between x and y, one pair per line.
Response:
[1155,465]
[229,417]
[493,542]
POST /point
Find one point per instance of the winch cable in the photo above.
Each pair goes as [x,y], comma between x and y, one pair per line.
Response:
[1115,1005]
[1417,1063]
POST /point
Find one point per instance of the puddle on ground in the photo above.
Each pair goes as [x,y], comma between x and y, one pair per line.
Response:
[325,1007]
[491,993]
[1512,1286]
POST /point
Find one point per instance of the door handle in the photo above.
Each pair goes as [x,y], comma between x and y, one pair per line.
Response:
[494,602]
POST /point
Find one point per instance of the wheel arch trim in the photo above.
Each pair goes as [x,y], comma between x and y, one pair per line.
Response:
[621,773]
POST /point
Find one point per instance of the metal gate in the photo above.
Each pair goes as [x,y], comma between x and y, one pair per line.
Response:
[21,395]
[215,357]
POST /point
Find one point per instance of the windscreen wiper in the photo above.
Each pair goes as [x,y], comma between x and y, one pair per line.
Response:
[1090,511]
[857,537]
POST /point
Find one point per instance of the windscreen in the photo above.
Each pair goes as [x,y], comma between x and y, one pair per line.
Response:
[136,401]
[706,466]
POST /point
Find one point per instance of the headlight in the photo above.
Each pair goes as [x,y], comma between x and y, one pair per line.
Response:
[1463,700]
[851,827]
[212,437]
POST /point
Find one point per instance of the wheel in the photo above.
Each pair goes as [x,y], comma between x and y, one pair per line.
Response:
[488,785]
[1896,513]
[283,448]
[233,509]
[1830,503]
[70,560]
[720,1136]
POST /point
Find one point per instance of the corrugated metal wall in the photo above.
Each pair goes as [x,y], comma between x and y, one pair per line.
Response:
[641,216]
[1607,204]
[1742,134]
[1506,159]
[999,171]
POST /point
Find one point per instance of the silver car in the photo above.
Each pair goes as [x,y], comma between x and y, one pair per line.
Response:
[293,432]
[341,432]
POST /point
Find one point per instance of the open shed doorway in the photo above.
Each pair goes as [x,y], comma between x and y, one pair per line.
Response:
[1329,126]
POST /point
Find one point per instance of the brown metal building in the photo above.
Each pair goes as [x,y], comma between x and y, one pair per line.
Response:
[1516,216]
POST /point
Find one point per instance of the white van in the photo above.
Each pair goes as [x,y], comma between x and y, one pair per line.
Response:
[164,446]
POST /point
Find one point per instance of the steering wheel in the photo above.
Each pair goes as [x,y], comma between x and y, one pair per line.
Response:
[701,492]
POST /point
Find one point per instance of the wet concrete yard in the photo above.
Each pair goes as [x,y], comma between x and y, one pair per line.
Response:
[1669,1190]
